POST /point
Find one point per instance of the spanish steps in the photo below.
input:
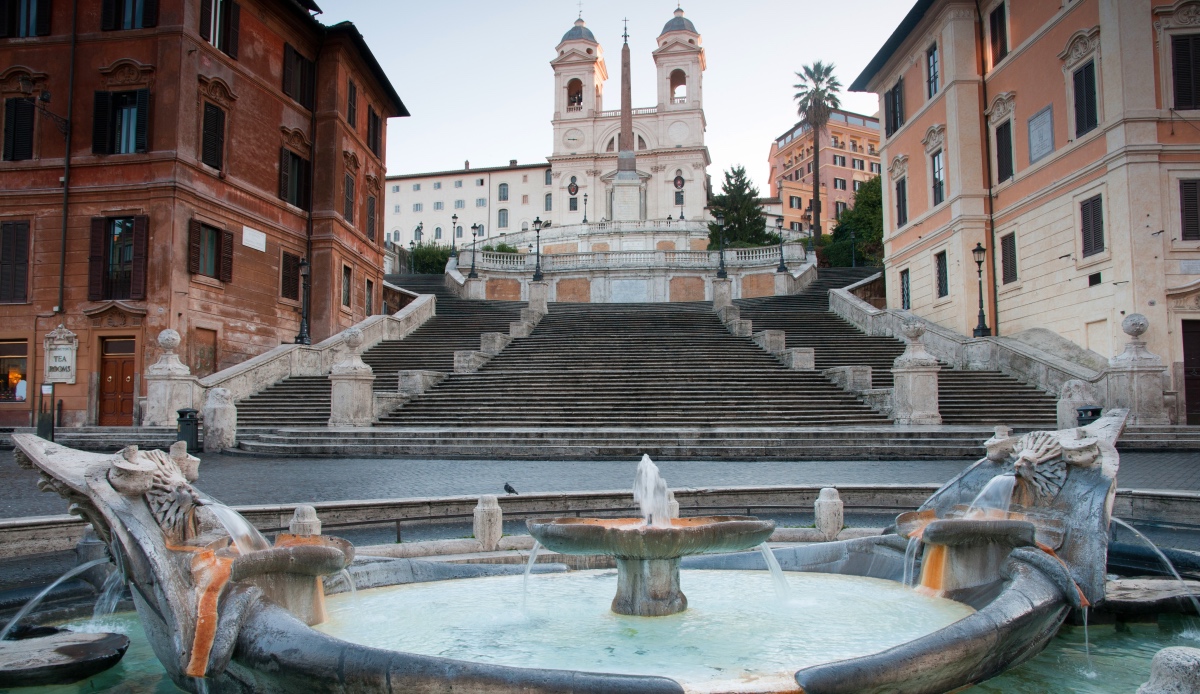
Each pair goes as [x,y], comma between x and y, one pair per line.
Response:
[985,398]
[304,400]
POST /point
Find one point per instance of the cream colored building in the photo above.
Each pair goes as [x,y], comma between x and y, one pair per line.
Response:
[1073,158]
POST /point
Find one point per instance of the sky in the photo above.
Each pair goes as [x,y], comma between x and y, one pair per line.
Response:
[476,76]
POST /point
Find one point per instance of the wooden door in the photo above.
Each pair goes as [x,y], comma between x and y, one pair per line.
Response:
[116,382]
[1191,369]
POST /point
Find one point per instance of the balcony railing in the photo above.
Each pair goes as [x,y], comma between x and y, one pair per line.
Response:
[636,112]
[574,108]
[767,256]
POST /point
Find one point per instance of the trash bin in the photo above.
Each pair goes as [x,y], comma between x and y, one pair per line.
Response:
[1087,415]
[189,428]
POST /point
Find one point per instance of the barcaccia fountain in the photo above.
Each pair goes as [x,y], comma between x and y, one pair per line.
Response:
[228,612]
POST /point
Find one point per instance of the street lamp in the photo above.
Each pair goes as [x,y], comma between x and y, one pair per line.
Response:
[979,252]
[474,250]
[537,228]
[412,247]
[721,274]
[303,338]
[853,251]
[779,230]
[585,208]
[453,234]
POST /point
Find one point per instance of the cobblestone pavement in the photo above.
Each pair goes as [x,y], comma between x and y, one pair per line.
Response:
[239,480]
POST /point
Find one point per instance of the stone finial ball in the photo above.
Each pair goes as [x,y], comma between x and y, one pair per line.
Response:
[912,329]
[353,338]
[169,339]
[1135,324]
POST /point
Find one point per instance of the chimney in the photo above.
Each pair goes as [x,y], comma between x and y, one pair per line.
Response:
[466,164]
[512,162]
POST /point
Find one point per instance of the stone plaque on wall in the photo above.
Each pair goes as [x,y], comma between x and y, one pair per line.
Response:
[1041,134]
[1189,267]
[61,347]
[253,238]
[630,291]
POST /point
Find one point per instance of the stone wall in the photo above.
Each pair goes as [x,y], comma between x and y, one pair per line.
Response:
[687,289]
[503,289]
[576,291]
[760,284]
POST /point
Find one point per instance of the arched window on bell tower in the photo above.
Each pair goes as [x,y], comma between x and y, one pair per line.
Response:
[575,95]
[678,87]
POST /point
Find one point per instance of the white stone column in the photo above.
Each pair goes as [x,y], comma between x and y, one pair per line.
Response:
[915,394]
[1136,376]
[220,420]
[353,400]
[722,293]
[539,296]
[168,384]
[489,522]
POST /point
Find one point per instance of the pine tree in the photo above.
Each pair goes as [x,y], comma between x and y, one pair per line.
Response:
[738,204]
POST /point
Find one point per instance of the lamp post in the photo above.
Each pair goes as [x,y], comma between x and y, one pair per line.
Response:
[681,211]
[537,268]
[979,252]
[303,337]
[721,274]
[853,251]
[474,250]
[453,235]
[779,230]
[412,247]
[585,208]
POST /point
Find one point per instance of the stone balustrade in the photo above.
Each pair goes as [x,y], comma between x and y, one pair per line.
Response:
[767,256]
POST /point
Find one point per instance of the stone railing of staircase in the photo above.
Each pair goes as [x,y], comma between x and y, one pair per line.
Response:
[284,361]
[1023,361]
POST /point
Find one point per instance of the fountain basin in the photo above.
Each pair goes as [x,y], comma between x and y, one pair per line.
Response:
[648,555]
[43,655]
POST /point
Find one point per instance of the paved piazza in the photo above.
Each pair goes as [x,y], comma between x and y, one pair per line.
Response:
[241,480]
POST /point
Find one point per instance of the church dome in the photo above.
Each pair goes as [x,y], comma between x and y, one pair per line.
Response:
[579,32]
[679,23]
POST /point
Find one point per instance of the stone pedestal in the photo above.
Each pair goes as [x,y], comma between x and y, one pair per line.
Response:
[855,379]
[469,361]
[1075,394]
[539,296]
[520,328]
[722,293]
[493,343]
[168,384]
[729,313]
[1136,377]
[220,420]
[489,522]
[799,358]
[772,341]
[648,588]
[305,522]
[915,393]
[828,512]
[413,382]
[474,289]
[740,328]
[353,400]
[783,283]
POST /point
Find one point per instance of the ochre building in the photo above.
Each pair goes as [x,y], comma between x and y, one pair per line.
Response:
[214,148]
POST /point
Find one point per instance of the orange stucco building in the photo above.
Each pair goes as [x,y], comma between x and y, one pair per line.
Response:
[213,146]
[1062,137]
[849,156]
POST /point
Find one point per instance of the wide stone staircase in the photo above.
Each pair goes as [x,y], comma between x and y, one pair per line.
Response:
[302,401]
[985,398]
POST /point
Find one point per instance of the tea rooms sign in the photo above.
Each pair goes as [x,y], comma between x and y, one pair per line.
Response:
[61,347]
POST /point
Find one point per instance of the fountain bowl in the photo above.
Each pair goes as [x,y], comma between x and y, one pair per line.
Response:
[632,538]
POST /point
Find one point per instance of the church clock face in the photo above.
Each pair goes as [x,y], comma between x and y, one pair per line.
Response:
[573,138]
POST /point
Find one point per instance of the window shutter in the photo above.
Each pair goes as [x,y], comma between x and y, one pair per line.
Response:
[23,129]
[1181,69]
[108,15]
[289,66]
[137,280]
[1004,156]
[194,235]
[1189,196]
[1089,80]
[888,108]
[101,123]
[43,17]
[10,129]
[14,260]
[371,217]
[305,184]
[149,13]
[352,104]
[143,119]
[348,202]
[290,277]
[5,15]
[233,29]
[1092,220]
[1008,257]
[226,270]
[213,145]
[96,269]
[206,26]
[899,102]
[283,173]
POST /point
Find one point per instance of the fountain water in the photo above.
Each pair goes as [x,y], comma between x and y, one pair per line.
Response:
[994,499]
[37,599]
[650,493]
[529,569]
[782,589]
[1161,557]
[245,536]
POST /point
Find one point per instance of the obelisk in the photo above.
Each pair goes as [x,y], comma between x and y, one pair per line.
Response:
[627,186]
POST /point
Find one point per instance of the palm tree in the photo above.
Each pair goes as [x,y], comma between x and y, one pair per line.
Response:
[816,98]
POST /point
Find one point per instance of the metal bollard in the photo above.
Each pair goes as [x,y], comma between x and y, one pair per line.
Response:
[189,429]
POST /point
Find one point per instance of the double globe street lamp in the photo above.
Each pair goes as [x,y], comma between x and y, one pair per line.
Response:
[980,253]
[537,268]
